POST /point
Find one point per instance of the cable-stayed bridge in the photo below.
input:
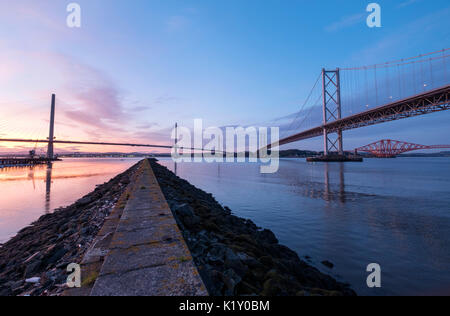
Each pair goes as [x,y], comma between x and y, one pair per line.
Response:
[345,98]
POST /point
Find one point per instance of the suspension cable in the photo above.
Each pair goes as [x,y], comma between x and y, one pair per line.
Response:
[304,104]
[389,63]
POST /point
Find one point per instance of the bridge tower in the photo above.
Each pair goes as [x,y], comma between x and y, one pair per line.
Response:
[51,136]
[331,90]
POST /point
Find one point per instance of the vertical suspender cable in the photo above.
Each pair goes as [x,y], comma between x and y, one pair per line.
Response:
[367,87]
[387,82]
[422,77]
[431,73]
[445,66]
[376,85]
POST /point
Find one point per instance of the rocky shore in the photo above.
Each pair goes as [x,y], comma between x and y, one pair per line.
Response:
[232,254]
[34,261]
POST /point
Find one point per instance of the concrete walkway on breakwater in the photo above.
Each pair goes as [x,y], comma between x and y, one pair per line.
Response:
[146,254]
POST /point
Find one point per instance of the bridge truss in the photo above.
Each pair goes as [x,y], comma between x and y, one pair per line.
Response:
[429,102]
[388,148]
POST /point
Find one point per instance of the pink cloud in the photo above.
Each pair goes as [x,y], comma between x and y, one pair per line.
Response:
[90,105]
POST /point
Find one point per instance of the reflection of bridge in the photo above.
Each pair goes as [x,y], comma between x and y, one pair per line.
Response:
[350,98]
[388,148]
[32,167]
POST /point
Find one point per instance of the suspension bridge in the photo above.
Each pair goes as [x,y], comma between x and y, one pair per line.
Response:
[356,97]
[343,99]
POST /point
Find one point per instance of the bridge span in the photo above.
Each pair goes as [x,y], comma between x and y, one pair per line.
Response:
[424,103]
[393,98]
[70,142]
[388,148]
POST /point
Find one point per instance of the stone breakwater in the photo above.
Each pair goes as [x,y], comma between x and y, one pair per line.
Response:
[41,252]
[232,254]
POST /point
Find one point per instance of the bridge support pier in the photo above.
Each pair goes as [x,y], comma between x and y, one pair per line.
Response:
[331,90]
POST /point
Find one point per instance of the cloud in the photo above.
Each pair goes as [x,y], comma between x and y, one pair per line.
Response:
[180,22]
[71,148]
[407,3]
[161,100]
[406,37]
[345,22]
[147,125]
[139,109]
[88,96]
[192,10]
[7,70]
[166,99]
[177,23]
[161,136]
[90,104]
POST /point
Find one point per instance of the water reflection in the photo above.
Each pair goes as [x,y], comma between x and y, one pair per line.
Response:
[31,177]
[27,192]
[16,170]
[325,181]
[393,212]
[48,187]
[15,173]
[329,194]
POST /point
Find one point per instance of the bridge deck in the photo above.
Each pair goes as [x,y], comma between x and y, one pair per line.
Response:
[424,103]
[428,102]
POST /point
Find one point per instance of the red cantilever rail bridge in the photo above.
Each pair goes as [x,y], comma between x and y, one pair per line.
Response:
[388,148]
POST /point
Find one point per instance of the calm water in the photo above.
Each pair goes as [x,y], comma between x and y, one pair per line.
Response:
[26,193]
[392,212]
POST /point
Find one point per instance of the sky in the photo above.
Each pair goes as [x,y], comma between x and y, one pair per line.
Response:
[134,68]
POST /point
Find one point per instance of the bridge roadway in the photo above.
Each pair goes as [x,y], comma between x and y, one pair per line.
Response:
[69,142]
[428,102]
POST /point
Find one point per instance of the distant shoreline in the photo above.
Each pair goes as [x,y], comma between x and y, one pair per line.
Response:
[290,153]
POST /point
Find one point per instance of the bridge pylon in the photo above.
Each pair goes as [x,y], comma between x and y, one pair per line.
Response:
[331,91]
[51,135]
